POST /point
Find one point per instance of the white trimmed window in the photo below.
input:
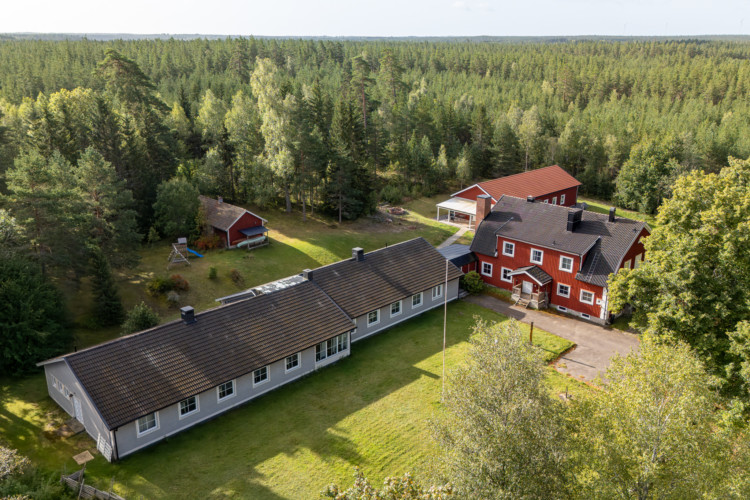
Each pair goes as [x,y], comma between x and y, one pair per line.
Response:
[587,297]
[396,308]
[546,201]
[260,375]
[505,275]
[188,406]
[146,424]
[537,256]
[563,290]
[331,347]
[566,264]
[486,268]
[585,316]
[437,291]
[226,390]
[373,317]
[291,362]
[554,200]
[638,259]
[416,300]
[562,199]
[509,248]
[562,308]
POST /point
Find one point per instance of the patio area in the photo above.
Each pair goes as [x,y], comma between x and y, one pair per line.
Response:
[457,212]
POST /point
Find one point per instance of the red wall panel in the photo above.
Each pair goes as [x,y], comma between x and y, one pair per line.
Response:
[247,220]
[636,249]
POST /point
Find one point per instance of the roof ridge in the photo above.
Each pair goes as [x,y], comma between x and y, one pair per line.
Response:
[524,172]
[375,251]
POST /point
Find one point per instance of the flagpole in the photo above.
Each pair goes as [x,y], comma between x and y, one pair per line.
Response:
[445,325]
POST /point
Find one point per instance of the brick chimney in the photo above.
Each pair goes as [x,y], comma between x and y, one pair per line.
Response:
[484,206]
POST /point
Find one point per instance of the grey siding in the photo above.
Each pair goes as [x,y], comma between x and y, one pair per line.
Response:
[209,406]
[407,312]
[92,422]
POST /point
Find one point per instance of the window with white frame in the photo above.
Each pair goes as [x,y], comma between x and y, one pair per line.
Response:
[562,199]
[148,423]
[486,268]
[587,297]
[509,248]
[331,347]
[562,308]
[188,406]
[373,317]
[585,316]
[536,256]
[416,299]
[566,264]
[292,362]
[554,200]
[396,308]
[226,390]
[437,291]
[563,290]
[260,375]
[505,275]
[638,259]
[546,201]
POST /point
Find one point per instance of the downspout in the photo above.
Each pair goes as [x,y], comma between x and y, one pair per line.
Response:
[115,453]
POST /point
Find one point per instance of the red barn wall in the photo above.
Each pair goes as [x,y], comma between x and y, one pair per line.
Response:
[551,265]
[247,220]
[571,197]
[636,249]
[470,193]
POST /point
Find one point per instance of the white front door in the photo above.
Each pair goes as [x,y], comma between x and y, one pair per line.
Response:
[527,287]
[78,409]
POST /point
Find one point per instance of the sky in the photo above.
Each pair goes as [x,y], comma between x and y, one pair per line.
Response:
[379,17]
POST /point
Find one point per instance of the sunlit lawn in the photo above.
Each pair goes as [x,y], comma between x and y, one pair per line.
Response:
[603,207]
[371,409]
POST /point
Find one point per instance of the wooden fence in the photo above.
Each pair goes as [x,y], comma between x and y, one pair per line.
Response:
[86,491]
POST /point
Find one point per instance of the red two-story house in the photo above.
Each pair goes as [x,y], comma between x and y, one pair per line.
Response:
[555,256]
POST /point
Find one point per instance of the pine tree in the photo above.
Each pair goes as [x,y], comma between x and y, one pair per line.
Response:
[107,306]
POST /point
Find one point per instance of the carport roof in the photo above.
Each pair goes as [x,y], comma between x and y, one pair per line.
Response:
[460,205]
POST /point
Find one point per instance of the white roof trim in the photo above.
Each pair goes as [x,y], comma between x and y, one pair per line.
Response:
[475,185]
[460,205]
[526,272]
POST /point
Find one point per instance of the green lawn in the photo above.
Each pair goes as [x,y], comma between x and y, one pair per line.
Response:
[603,207]
[295,245]
[371,409]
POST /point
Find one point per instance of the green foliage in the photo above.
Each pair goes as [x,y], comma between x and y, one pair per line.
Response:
[392,194]
[141,317]
[502,435]
[33,324]
[693,285]
[394,488]
[179,283]
[159,285]
[237,277]
[210,242]
[656,432]
[176,208]
[472,282]
[212,273]
[153,236]
[20,480]
[108,309]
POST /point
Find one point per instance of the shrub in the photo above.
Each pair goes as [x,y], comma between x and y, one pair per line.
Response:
[153,236]
[237,277]
[173,298]
[159,286]
[212,273]
[179,283]
[472,282]
[209,242]
[392,194]
[140,318]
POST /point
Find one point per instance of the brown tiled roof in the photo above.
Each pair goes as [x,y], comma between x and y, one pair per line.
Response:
[135,375]
[539,274]
[535,183]
[222,215]
[384,276]
[545,224]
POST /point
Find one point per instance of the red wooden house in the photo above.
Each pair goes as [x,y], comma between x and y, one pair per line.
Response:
[237,226]
[548,185]
[554,256]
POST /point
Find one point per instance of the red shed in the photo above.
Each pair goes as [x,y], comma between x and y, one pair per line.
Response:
[235,224]
[547,185]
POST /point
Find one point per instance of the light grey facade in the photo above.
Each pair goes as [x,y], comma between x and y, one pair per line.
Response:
[366,328]
[169,421]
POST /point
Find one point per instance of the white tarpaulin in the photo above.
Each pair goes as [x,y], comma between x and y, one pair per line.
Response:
[459,205]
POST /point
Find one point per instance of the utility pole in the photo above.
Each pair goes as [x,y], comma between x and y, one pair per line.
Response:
[445,324]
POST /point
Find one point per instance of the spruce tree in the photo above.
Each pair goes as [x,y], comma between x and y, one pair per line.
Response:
[107,306]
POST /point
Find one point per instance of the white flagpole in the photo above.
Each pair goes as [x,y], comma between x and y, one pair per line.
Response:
[445,324]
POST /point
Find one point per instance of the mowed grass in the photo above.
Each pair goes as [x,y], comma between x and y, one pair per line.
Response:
[295,245]
[371,410]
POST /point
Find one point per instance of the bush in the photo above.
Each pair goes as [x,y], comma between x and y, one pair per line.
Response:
[392,194]
[237,277]
[153,236]
[173,298]
[140,318]
[159,286]
[209,242]
[212,273]
[179,283]
[472,282]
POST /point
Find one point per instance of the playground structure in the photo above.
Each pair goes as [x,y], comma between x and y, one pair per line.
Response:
[181,253]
